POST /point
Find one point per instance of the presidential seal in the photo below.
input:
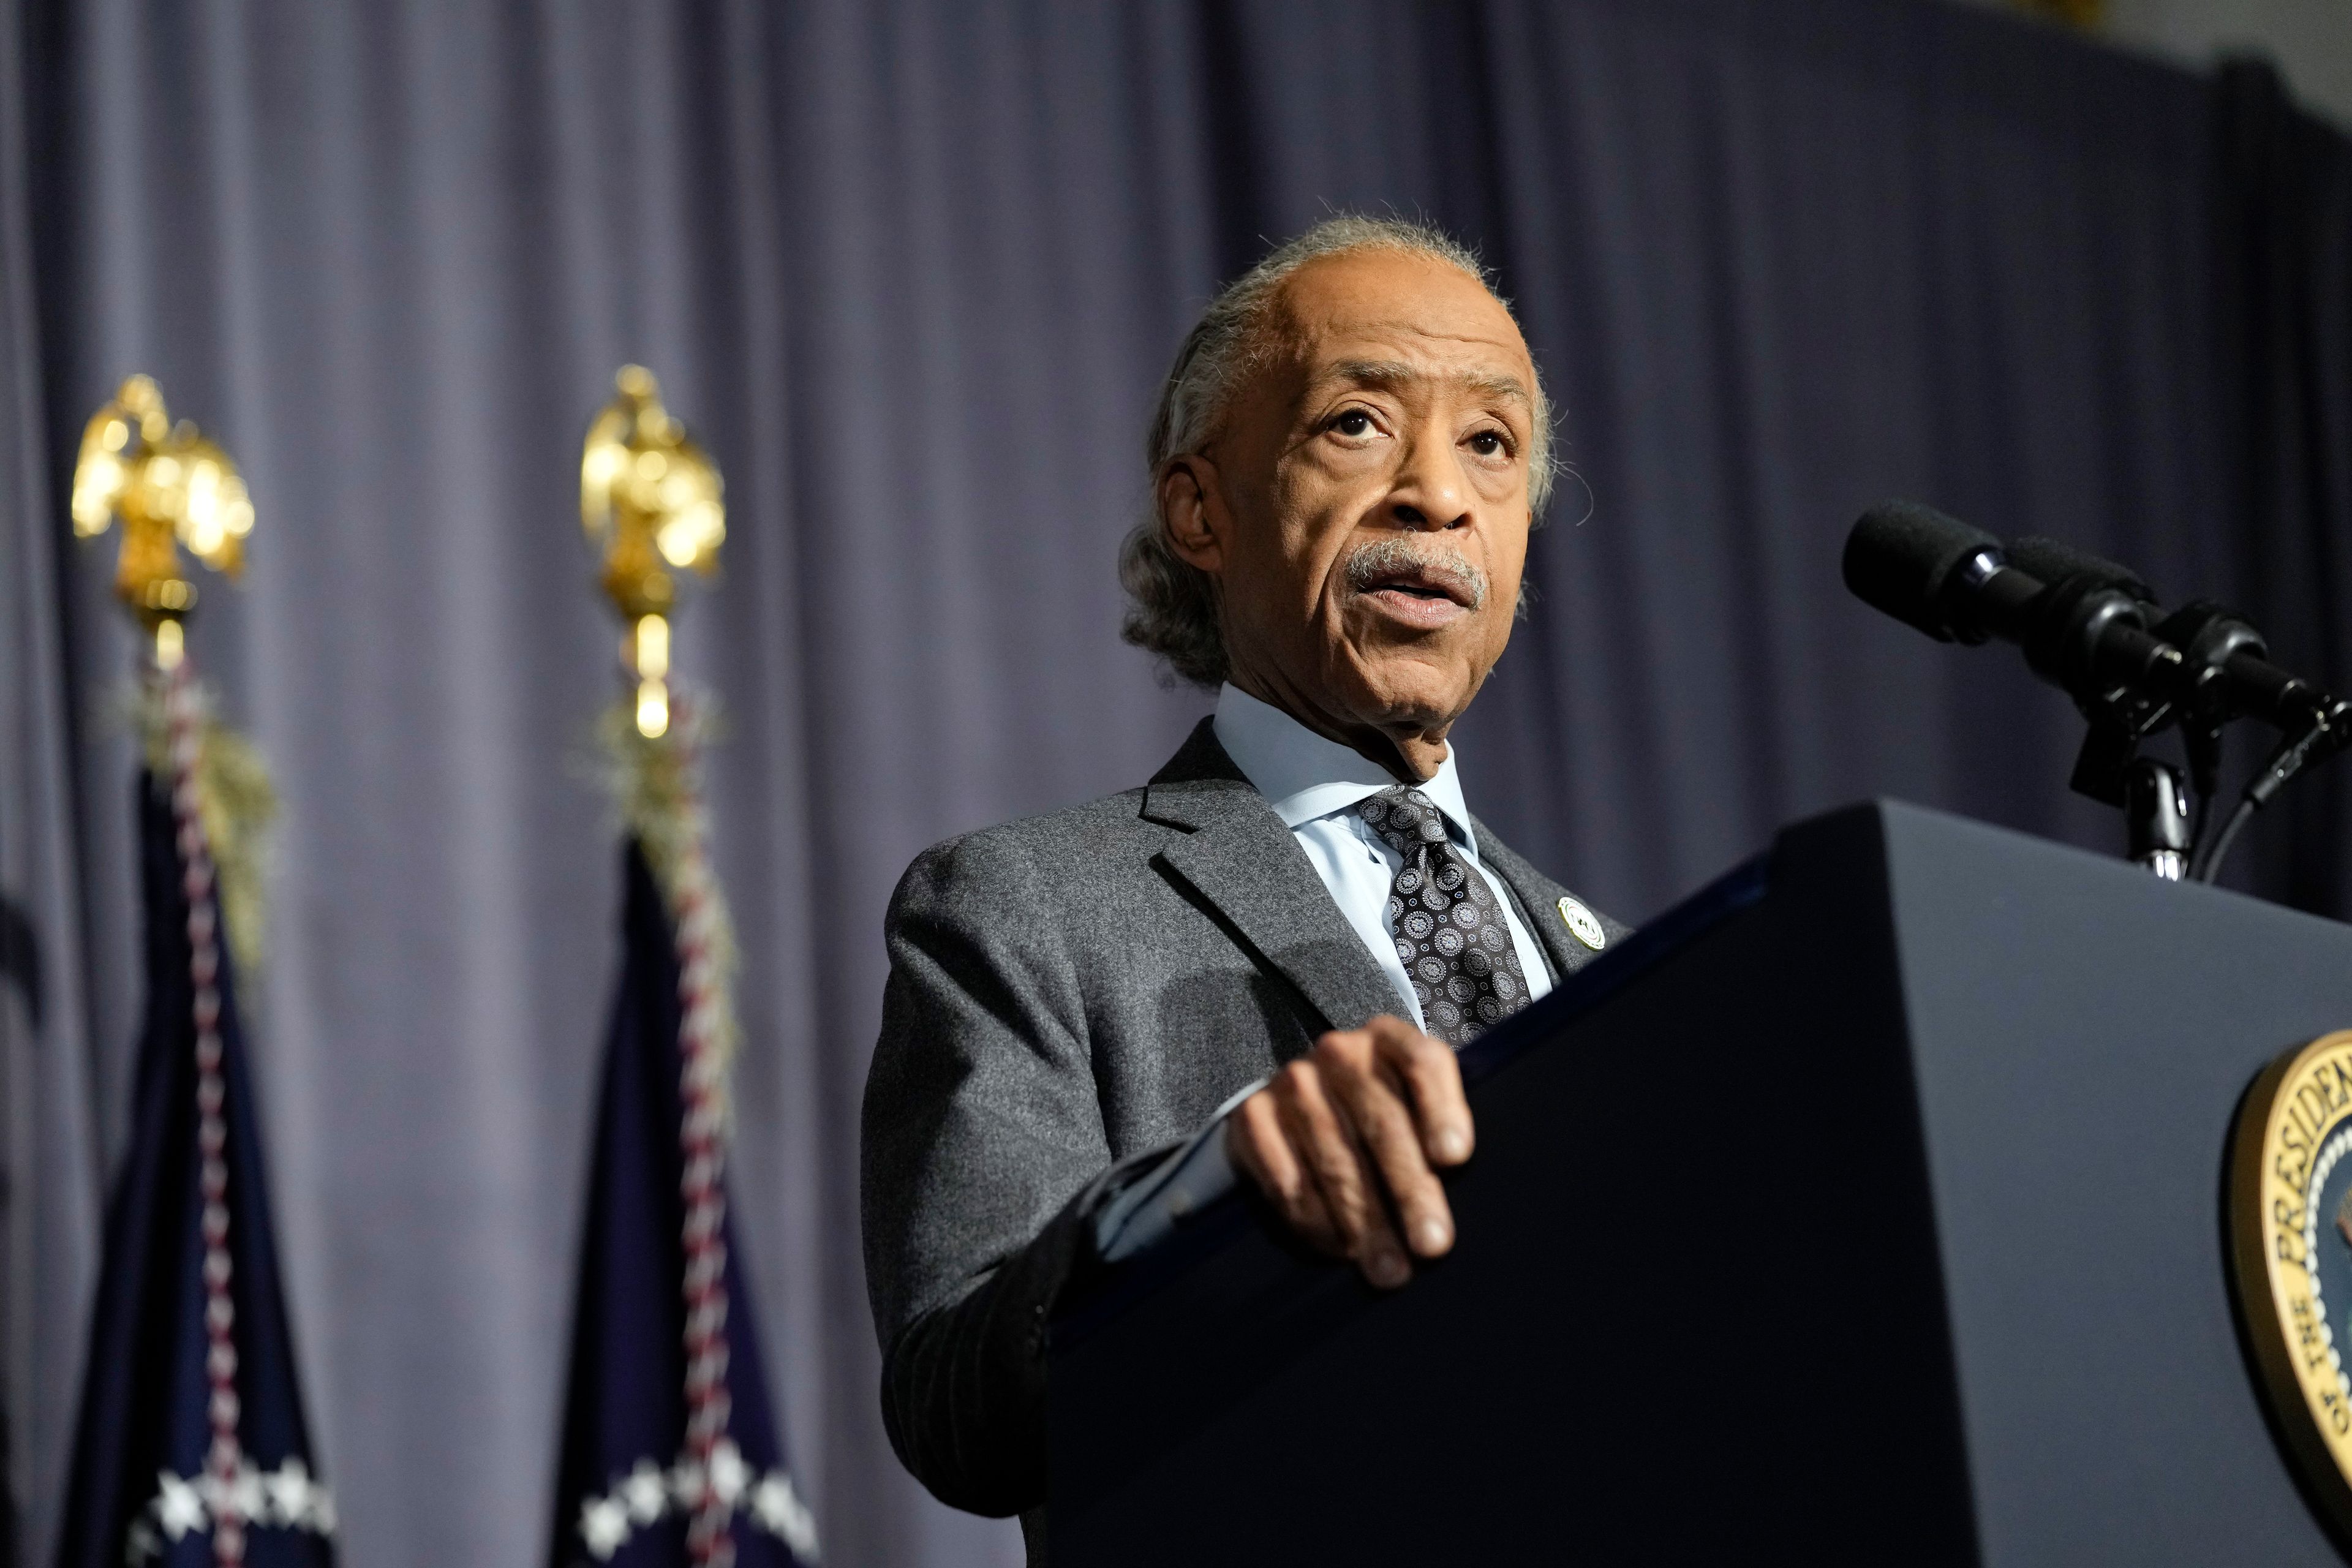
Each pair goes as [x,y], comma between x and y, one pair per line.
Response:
[2289,1225]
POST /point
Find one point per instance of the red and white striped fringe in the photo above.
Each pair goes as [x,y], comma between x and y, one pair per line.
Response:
[184,719]
[694,905]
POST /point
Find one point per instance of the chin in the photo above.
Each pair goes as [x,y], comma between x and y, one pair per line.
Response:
[1403,687]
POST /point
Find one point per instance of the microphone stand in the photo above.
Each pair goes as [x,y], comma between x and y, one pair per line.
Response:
[2155,812]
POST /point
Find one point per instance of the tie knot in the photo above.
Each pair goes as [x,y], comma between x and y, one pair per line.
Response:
[1406,819]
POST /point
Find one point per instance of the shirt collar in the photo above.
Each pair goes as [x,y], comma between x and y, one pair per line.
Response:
[1305,776]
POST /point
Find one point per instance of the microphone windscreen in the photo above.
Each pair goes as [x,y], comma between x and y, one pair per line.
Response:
[1900,556]
[2054,561]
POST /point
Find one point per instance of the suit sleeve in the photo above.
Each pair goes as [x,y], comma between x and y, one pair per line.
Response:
[984,1159]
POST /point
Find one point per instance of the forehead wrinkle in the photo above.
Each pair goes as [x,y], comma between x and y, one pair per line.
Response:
[1389,374]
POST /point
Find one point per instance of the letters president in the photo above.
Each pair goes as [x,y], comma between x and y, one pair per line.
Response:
[1257,965]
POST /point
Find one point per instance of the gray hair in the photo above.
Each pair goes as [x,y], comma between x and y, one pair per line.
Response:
[1171,604]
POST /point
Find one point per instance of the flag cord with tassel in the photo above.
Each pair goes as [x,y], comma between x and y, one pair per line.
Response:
[702,1143]
[183,715]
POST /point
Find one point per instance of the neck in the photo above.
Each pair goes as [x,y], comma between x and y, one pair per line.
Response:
[1411,754]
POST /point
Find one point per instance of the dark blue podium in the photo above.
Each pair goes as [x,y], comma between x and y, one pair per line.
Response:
[1866,1207]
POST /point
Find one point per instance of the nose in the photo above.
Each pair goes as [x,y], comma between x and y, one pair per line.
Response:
[1429,494]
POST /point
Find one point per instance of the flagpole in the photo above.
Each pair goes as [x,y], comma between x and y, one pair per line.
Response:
[169,488]
[651,499]
[669,1451]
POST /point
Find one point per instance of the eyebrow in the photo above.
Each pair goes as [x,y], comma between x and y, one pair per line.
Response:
[1392,373]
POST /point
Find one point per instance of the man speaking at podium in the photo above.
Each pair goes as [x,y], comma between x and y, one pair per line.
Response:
[1264,960]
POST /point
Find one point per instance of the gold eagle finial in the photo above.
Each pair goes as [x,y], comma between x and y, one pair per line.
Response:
[171,486]
[651,500]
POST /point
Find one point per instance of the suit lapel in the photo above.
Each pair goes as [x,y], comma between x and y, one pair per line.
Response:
[1242,863]
[1539,898]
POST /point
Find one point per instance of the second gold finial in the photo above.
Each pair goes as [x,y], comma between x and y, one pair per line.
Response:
[651,500]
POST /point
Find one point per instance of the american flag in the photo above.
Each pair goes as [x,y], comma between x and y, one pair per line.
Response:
[670,1454]
[191,1447]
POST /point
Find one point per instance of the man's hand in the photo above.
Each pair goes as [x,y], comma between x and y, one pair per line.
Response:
[1346,1140]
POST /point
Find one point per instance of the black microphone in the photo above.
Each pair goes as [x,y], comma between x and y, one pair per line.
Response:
[2054,561]
[2227,670]
[1957,584]
[1921,567]
[2082,621]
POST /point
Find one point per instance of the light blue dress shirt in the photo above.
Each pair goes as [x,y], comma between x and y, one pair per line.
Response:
[1313,785]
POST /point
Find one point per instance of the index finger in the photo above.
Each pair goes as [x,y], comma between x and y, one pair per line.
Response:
[1426,1070]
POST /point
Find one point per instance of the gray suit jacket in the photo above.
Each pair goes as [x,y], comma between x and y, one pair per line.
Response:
[1069,997]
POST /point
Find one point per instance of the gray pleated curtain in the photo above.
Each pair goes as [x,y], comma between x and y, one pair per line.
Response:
[910,271]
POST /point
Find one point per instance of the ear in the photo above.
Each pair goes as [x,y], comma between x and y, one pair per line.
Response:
[1190,514]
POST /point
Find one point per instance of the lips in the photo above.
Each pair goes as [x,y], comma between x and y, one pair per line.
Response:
[1418,603]
[1414,591]
[1426,582]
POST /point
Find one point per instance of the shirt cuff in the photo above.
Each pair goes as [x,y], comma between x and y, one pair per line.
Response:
[1190,1179]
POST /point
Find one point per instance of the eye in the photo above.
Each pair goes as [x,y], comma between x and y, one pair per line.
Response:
[1490,443]
[1354,423]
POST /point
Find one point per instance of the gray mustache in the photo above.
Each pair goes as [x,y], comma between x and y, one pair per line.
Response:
[1387,557]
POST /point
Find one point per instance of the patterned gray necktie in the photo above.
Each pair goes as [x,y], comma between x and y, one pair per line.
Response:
[1449,931]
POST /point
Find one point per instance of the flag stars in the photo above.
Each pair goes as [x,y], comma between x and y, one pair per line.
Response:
[728,1474]
[644,1492]
[603,1526]
[241,1494]
[286,1498]
[779,1509]
[647,1493]
[178,1506]
[290,1491]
